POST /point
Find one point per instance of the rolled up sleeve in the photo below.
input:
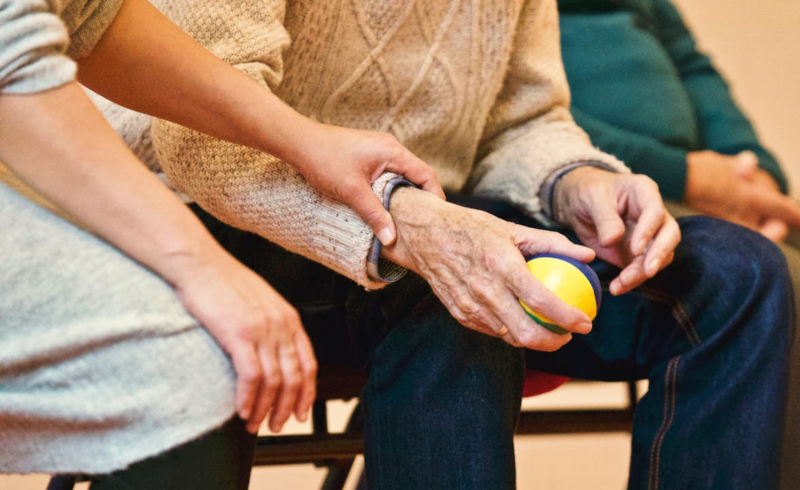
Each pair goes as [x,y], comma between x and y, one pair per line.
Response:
[33,43]
[36,52]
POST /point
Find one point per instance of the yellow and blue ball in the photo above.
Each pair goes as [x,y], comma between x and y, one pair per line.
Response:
[572,281]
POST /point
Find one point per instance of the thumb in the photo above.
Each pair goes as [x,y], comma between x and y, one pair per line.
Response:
[746,164]
[367,205]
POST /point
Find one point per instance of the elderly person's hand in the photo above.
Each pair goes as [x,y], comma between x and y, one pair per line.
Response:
[475,264]
[623,218]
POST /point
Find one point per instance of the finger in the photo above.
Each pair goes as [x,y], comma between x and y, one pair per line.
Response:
[774,229]
[521,330]
[542,301]
[417,171]
[607,221]
[532,242]
[526,332]
[775,205]
[487,324]
[650,221]
[632,276]
[308,369]
[270,384]
[664,243]
[248,378]
[367,205]
[745,165]
[290,387]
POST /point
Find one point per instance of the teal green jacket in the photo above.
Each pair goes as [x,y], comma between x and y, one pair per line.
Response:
[644,93]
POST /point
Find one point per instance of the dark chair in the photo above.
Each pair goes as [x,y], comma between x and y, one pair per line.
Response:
[337,451]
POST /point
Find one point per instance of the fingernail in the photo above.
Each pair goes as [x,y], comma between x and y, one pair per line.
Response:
[386,236]
[244,413]
[653,267]
[640,245]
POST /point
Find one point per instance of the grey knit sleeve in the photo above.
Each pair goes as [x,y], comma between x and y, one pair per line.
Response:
[35,46]
[33,42]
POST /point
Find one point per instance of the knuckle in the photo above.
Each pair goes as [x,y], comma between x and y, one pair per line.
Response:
[272,379]
[310,368]
[249,374]
[291,381]
[485,291]
[647,182]
[528,338]
[290,316]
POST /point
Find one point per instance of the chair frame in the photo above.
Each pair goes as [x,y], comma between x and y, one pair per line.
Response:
[337,450]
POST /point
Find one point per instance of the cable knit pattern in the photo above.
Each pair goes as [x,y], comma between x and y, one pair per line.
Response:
[474,88]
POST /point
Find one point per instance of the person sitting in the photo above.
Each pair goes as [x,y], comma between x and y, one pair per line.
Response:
[146,357]
[477,90]
[645,93]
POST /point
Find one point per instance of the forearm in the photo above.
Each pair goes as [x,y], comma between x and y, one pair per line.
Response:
[257,192]
[136,62]
[60,145]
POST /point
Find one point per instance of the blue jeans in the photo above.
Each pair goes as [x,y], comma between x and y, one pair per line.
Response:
[711,333]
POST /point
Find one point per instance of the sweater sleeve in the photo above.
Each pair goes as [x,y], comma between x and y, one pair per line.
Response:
[723,126]
[245,188]
[530,132]
[40,38]
[33,43]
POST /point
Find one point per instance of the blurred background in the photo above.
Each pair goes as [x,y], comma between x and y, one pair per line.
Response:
[756,46]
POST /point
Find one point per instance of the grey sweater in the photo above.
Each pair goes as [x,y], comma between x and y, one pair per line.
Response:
[100,365]
[39,39]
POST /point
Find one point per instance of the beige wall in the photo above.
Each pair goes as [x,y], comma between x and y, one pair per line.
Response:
[757,47]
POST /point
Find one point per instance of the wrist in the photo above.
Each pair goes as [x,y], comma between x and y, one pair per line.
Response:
[696,164]
[563,189]
[413,210]
[182,262]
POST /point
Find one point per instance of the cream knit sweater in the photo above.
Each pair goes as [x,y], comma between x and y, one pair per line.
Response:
[474,88]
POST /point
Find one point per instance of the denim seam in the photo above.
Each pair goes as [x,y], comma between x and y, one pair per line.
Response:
[671,381]
[678,311]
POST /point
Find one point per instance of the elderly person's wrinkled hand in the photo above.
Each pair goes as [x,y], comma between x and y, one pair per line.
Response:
[475,264]
[623,218]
